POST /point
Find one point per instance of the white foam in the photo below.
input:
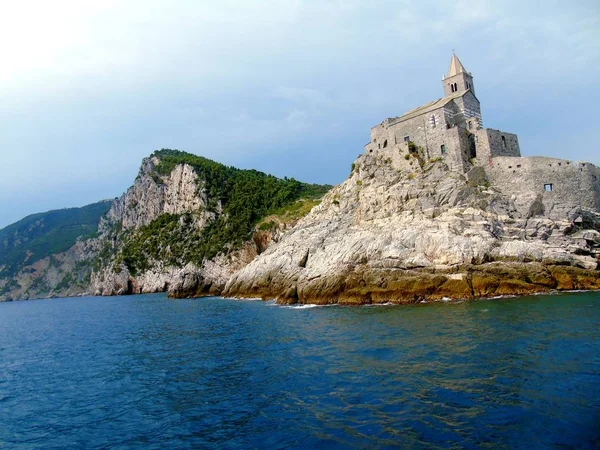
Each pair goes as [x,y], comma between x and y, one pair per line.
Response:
[301,306]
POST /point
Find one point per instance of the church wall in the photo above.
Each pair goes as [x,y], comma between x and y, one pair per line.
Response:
[559,181]
[422,132]
[469,105]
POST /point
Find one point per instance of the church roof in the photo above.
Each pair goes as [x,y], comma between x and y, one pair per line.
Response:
[456,66]
[439,103]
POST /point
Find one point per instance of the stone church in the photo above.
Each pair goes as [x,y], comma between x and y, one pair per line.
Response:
[450,127]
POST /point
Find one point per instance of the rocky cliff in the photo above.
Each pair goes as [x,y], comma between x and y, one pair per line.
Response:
[187,224]
[394,232]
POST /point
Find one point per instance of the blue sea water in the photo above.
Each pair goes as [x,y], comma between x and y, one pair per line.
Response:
[146,371]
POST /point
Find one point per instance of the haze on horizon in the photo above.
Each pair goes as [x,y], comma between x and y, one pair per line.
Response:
[288,87]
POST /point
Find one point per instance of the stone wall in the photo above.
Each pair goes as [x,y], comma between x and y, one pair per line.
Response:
[428,131]
[460,79]
[560,184]
[469,106]
[490,144]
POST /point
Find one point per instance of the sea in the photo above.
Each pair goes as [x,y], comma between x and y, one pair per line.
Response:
[149,372]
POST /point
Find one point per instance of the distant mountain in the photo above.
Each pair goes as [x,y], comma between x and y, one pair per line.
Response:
[44,234]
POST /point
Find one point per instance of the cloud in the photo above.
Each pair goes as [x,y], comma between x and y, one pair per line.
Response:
[89,87]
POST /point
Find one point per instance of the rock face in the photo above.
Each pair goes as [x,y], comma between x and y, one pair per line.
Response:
[151,197]
[148,198]
[388,234]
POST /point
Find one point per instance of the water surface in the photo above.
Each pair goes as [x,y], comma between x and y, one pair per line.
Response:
[145,371]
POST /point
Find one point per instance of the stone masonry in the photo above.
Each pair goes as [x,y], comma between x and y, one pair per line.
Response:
[451,128]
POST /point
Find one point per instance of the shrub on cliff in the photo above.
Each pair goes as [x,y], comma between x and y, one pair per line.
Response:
[245,197]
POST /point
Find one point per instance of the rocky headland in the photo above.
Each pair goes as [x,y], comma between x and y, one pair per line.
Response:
[401,229]
[402,233]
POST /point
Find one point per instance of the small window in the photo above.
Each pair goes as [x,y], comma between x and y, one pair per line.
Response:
[548,187]
[406,138]
[451,87]
[504,141]
[455,87]
[443,149]
[385,143]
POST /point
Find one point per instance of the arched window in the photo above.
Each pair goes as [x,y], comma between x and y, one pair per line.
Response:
[455,87]
[451,87]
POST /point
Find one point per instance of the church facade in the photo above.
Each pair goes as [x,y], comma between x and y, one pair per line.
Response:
[450,127]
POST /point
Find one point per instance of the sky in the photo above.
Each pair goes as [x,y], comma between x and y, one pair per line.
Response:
[290,87]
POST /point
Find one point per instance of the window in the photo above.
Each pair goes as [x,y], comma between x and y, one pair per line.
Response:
[468,85]
[455,87]
[548,187]
[470,125]
[443,149]
[504,141]
[451,87]
[385,143]
[432,121]
[406,138]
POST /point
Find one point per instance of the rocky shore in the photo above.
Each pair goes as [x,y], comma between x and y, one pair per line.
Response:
[391,235]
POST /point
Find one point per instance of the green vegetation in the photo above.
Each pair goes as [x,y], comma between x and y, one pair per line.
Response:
[294,211]
[238,200]
[40,235]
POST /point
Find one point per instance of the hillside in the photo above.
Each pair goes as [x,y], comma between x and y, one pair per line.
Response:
[183,211]
[40,235]
[187,216]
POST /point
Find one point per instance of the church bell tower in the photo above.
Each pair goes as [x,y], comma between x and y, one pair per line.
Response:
[458,79]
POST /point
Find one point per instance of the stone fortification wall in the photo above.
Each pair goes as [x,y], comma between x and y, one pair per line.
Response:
[559,182]
[491,143]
